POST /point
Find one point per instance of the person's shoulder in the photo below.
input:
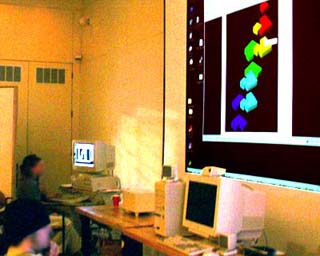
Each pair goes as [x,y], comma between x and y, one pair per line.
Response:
[30,254]
[27,181]
[28,178]
[14,251]
[23,254]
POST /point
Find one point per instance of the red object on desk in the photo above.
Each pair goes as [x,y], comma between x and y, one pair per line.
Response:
[116,200]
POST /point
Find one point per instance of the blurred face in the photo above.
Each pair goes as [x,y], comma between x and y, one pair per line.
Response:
[41,239]
[39,168]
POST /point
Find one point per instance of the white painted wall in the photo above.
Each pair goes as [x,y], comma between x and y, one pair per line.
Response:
[33,31]
[121,85]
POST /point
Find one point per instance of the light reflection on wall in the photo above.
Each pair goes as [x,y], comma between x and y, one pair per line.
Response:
[173,146]
[138,152]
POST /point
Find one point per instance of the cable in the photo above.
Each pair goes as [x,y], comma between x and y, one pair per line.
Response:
[164,84]
[265,238]
[248,186]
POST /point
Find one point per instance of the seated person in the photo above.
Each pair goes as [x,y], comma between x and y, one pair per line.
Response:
[32,169]
[27,229]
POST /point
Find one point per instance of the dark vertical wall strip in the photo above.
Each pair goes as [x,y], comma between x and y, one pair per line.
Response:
[195,26]
[164,84]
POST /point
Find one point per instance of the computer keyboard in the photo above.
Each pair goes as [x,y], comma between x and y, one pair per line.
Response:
[187,245]
[70,199]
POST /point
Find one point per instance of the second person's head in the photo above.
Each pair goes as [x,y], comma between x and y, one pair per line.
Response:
[32,165]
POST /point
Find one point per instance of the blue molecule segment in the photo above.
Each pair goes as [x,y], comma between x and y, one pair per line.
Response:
[236,102]
[239,123]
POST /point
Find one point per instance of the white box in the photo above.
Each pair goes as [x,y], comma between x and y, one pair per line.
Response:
[138,201]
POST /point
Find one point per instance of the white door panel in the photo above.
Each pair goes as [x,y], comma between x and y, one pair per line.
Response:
[20,82]
[7,141]
[49,120]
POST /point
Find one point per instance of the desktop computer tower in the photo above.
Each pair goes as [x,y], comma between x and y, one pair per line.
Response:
[169,199]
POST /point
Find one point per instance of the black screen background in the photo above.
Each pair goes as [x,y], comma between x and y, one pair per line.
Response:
[201,203]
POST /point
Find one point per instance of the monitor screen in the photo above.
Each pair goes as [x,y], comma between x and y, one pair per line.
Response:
[201,203]
[253,89]
[83,154]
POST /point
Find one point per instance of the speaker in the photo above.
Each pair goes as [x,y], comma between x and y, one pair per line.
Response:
[228,241]
[169,172]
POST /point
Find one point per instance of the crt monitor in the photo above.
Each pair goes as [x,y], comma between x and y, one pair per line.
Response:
[218,206]
[92,156]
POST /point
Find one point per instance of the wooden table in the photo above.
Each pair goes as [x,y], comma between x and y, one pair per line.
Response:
[138,229]
[115,218]
[147,236]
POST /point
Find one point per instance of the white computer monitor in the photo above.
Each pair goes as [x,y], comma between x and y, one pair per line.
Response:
[92,156]
[217,206]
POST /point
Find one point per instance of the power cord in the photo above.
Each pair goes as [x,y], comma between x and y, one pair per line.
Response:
[265,238]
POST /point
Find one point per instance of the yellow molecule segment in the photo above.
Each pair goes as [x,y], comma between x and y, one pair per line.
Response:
[256,28]
[262,49]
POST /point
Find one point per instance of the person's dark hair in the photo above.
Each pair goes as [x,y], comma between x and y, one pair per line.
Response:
[23,218]
[28,163]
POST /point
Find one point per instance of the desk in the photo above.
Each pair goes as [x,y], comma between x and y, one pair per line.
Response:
[112,217]
[115,217]
[67,202]
[147,236]
[139,229]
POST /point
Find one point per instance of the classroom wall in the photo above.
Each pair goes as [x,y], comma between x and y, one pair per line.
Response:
[52,4]
[44,31]
[121,84]
[293,217]
[39,30]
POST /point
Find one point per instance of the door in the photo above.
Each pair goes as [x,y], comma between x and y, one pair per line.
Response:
[7,135]
[50,120]
[15,74]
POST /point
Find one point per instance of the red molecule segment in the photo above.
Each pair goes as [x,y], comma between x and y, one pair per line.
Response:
[266,25]
[264,7]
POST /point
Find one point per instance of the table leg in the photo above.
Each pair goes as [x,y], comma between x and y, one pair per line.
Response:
[63,234]
[131,247]
[86,236]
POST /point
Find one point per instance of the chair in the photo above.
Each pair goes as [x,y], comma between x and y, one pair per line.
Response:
[53,208]
[4,200]
[3,203]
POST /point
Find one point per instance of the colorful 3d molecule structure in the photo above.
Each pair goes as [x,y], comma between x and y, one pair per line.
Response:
[253,50]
